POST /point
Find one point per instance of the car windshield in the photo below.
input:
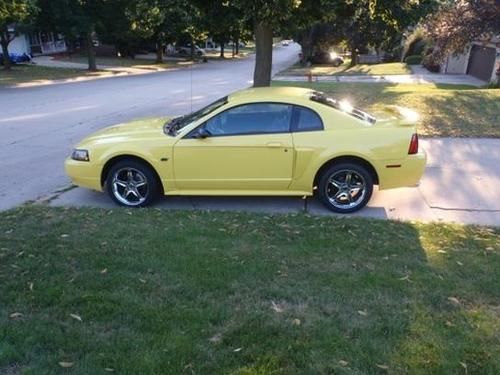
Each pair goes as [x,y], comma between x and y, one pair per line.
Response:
[343,106]
[173,126]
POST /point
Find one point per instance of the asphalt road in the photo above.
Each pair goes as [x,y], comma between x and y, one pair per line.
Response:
[39,125]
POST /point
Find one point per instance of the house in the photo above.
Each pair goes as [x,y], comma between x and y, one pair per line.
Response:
[38,43]
[480,59]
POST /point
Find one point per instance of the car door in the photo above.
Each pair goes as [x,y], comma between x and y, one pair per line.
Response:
[245,148]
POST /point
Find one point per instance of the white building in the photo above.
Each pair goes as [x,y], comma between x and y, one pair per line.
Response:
[480,59]
[38,43]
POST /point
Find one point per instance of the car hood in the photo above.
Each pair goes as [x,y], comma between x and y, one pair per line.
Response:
[142,128]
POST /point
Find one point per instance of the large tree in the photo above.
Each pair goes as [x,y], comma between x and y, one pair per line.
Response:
[379,23]
[458,23]
[222,20]
[76,19]
[267,17]
[161,21]
[12,14]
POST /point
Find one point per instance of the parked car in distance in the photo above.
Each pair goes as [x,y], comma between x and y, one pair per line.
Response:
[185,50]
[260,141]
[325,57]
[16,58]
[285,43]
[240,44]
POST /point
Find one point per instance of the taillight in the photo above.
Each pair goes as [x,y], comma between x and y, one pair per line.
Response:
[413,149]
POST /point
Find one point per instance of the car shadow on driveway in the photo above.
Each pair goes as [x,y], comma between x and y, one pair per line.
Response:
[78,197]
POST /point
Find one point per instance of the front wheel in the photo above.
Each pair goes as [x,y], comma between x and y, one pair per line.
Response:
[132,184]
[345,187]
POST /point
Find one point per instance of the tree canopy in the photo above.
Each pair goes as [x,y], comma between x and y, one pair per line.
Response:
[127,23]
[459,23]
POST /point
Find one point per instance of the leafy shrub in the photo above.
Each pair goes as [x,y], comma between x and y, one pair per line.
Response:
[415,44]
[413,60]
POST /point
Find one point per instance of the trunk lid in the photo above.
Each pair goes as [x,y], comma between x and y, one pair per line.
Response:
[394,115]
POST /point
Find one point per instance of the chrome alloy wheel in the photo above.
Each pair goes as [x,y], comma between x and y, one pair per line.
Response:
[130,186]
[345,189]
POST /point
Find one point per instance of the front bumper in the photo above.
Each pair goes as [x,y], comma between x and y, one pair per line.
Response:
[84,174]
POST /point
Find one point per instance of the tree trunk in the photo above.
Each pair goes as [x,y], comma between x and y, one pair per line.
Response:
[237,43]
[263,54]
[90,52]
[222,50]
[159,52]
[4,40]
[354,57]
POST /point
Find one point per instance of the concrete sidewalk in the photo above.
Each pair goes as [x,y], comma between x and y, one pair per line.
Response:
[420,76]
[450,79]
[460,185]
[50,62]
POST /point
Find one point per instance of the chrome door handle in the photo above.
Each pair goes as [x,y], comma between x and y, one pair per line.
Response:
[274,144]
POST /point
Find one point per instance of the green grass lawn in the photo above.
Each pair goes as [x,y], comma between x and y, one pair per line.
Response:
[445,110]
[155,291]
[344,69]
[34,73]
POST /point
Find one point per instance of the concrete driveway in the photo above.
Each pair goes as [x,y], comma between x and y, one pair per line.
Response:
[460,185]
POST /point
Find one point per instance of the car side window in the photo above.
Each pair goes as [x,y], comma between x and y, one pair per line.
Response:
[254,118]
[306,120]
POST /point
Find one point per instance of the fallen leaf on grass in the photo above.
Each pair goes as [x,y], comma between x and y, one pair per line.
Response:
[343,363]
[66,364]
[104,271]
[64,235]
[383,367]
[109,369]
[454,300]
[15,315]
[363,313]
[31,286]
[296,322]
[237,350]
[449,324]
[76,317]
[142,281]
[215,339]
[276,307]
[442,252]
[459,263]
[464,365]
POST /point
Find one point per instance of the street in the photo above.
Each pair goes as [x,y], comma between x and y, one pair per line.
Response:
[40,125]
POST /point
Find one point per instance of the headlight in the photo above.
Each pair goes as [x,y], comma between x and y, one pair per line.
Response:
[80,155]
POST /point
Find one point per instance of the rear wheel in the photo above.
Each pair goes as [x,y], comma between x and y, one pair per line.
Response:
[132,184]
[345,187]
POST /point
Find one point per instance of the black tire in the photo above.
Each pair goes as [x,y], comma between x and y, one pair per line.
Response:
[142,184]
[334,187]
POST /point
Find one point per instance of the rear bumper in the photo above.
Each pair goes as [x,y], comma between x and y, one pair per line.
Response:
[402,173]
[83,174]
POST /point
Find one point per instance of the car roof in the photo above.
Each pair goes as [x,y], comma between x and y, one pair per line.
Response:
[292,94]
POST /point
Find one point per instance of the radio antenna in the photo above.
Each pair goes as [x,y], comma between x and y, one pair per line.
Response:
[191,85]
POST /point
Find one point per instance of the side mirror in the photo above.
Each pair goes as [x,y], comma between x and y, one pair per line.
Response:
[202,133]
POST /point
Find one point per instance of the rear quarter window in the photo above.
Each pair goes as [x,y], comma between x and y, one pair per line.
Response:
[305,120]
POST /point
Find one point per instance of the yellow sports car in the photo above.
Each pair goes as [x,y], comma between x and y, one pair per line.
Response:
[259,141]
